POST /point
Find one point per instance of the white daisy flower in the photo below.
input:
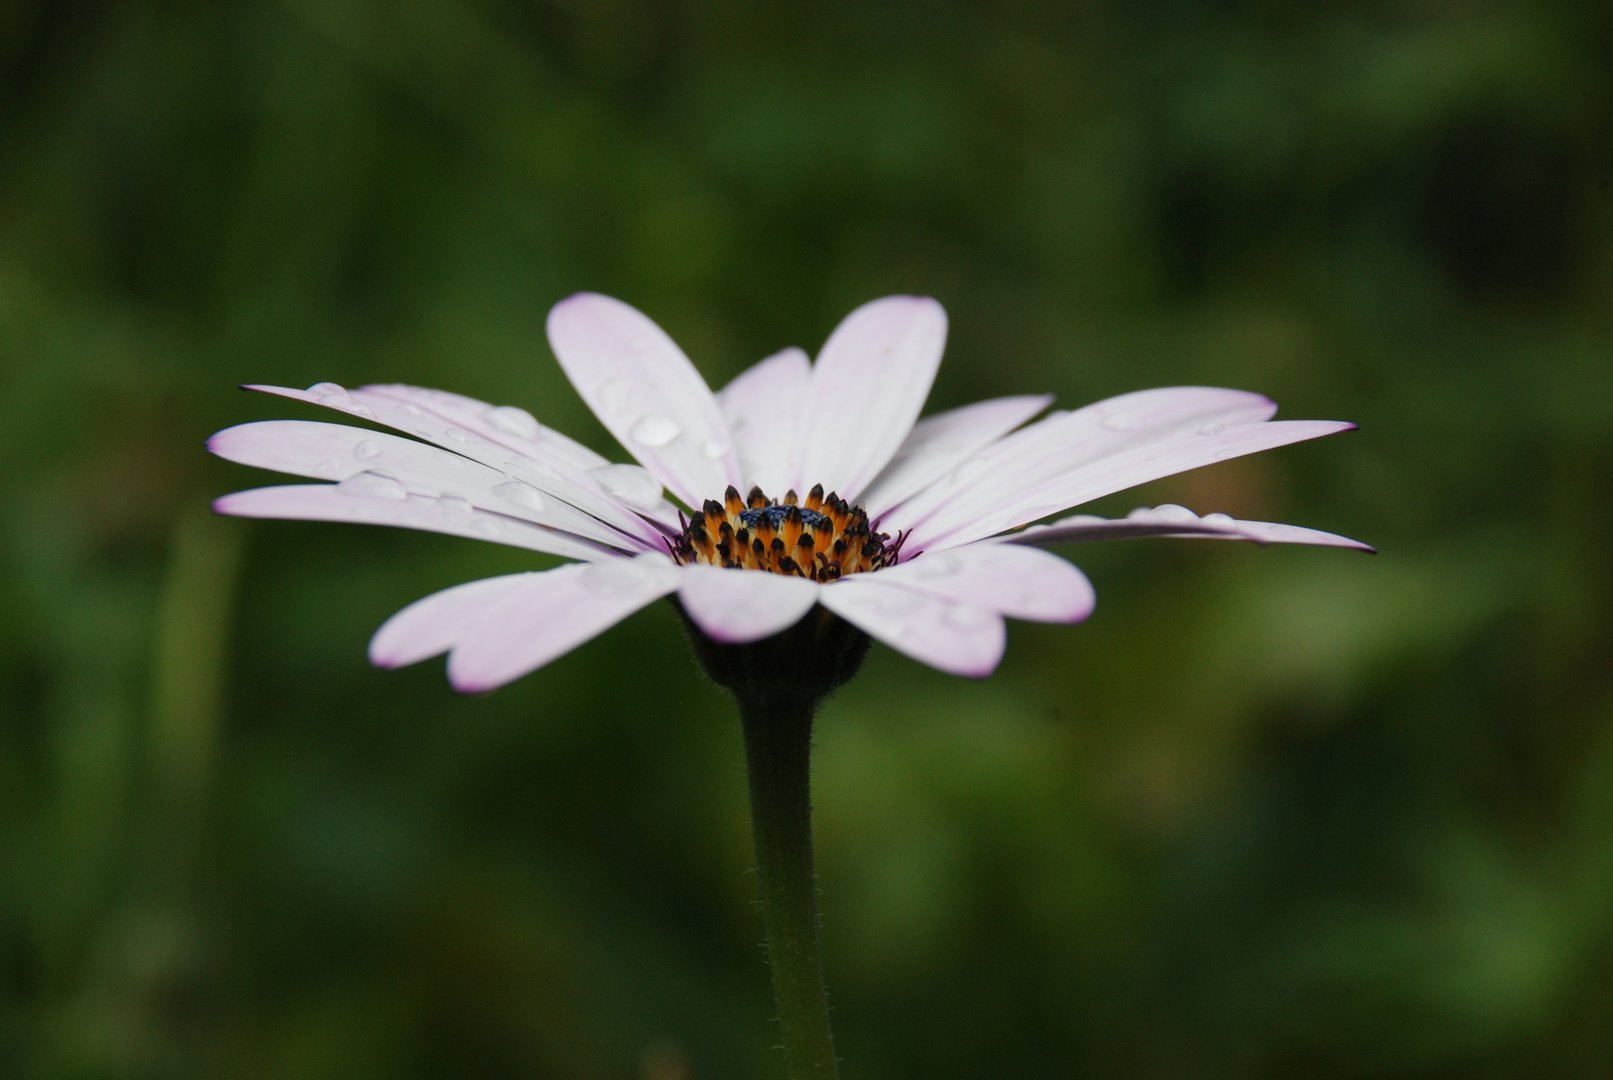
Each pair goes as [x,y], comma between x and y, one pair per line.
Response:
[913,531]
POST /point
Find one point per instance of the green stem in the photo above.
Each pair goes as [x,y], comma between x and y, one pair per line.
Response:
[778,746]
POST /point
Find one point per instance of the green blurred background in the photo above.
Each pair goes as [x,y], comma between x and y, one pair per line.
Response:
[1270,813]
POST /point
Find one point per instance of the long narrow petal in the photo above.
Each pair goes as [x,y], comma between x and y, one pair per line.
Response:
[940,443]
[868,387]
[977,520]
[963,639]
[552,613]
[1179,522]
[761,405]
[736,606]
[1067,441]
[338,452]
[647,393]
[377,500]
[434,624]
[551,474]
[508,425]
[1000,578]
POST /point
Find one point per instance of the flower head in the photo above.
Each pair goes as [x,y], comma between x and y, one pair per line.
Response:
[914,531]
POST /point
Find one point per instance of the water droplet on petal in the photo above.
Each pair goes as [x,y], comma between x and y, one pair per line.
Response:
[612,396]
[1122,421]
[655,431]
[513,420]
[455,503]
[408,409]
[514,491]
[1222,455]
[364,449]
[714,448]
[967,615]
[485,527]
[896,601]
[456,435]
[614,577]
[969,470]
[373,485]
[942,564]
[632,484]
[1223,521]
[1172,513]
[327,388]
[1212,428]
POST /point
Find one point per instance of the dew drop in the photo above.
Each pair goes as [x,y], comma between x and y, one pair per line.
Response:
[655,430]
[633,485]
[514,491]
[969,470]
[408,409]
[456,435]
[1222,455]
[1122,421]
[485,527]
[327,388]
[1220,521]
[714,448]
[612,396]
[614,577]
[942,564]
[1212,428]
[457,504]
[1174,514]
[374,485]
[513,420]
[967,615]
[364,449]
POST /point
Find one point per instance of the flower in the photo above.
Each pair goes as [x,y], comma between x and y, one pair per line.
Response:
[907,531]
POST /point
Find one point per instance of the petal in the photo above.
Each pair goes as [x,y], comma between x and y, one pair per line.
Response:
[940,443]
[736,606]
[337,452]
[433,625]
[867,388]
[1064,442]
[647,393]
[383,501]
[761,406]
[962,639]
[550,474]
[508,425]
[999,578]
[1177,522]
[552,613]
[1123,470]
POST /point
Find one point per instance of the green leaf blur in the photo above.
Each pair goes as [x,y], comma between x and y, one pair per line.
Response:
[1269,814]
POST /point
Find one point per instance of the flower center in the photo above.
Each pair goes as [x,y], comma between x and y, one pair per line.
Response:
[823,539]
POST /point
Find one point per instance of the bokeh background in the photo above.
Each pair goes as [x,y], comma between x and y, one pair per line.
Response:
[1270,813]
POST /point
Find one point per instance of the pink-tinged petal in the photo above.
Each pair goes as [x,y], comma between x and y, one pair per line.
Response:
[647,393]
[371,499]
[552,475]
[1123,470]
[508,425]
[1065,442]
[999,577]
[962,639]
[761,405]
[867,388]
[938,444]
[736,606]
[552,613]
[433,625]
[337,452]
[1177,522]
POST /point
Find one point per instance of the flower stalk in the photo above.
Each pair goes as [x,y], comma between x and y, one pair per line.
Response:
[778,745]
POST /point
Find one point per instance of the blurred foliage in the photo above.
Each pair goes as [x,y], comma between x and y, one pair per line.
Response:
[1271,813]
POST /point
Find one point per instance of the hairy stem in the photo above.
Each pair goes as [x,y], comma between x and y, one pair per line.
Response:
[778,745]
